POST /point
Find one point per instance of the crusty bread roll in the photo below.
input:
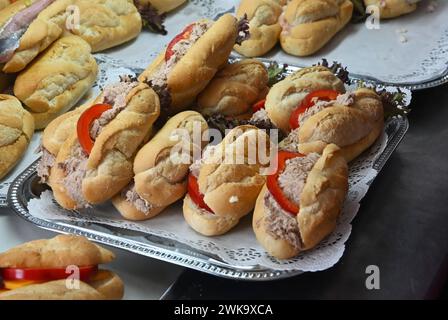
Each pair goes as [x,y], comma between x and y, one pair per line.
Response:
[107,23]
[4,3]
[191,74]
[307,25]
[353,128]
[163,6]
[393,8]
[235,89]
[286,95]
[320,201]
[58,253]
[57,80]
[264,27]
[16,130]
[43,31]
[108,168]
[160,179]
[229,180]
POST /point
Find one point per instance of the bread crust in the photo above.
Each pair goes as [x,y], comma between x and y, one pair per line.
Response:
[16,130]
[320,205]
[235,89]
[306,37]
[163,6]
[353,128]
[198,66]
[58,80]
[130,212]
[4,3]
[109,166]
[392,8]
[107,23]
[286,95]
[43,31]
[264,28]
[57,252]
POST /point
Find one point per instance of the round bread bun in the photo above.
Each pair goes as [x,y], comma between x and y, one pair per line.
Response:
[130,212]
[198,66]
[322,19]
[286,95]
[392,8]
[353,128]
[205,223]
[320,204]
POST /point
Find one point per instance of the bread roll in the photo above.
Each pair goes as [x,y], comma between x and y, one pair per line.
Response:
[264,27]
[16,130]
[353,128]
[393,8]
[107,23]
[57,80]
[229,180]
[163,6]
[307,25]
[4,3]
[235,89]
[43,31]
[286,95]
[321,196]
[190,74]
[79,179]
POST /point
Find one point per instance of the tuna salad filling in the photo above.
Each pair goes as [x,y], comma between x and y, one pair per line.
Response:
[134,198]
[179,50]
[279,223]
[346,99]
[75,168]
[47,161]
[13,30]
[114,95]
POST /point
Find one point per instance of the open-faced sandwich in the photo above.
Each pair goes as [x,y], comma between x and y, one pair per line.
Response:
[190,61]
[301,201]
[28,27]
[95,162]
[61,268]
[161,167]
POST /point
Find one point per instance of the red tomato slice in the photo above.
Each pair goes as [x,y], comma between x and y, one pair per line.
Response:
[274,187]
[45,274]
[325,95]
[259,105]
[185,34]
[84,123]
[195,194]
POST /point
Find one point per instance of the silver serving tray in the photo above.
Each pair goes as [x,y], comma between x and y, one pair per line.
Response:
[26,186]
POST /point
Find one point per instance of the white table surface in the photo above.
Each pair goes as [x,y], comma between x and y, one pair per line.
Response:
[144,278]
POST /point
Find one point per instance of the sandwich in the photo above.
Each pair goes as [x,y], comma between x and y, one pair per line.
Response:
[106,23]
[393,8]
[301,202]
[235,89]
[353,121]
[62,268]
[191,60]
[161,167]
[28,27]
[59,78]
[16,130]
[5,3]
[163,6]
[224,184]
[307,25]
[53,137]
[95,162]
[287,95]
[264,26]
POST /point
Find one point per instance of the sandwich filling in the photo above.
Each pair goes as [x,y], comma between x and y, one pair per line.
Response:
[179,50]
[47,161]
[131,196]
[281,224]
[14,28]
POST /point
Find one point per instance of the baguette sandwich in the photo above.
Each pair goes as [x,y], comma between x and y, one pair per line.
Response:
[61,268]
[161,167]
[393,8]
[95,162]
[28,27]
[57,80]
